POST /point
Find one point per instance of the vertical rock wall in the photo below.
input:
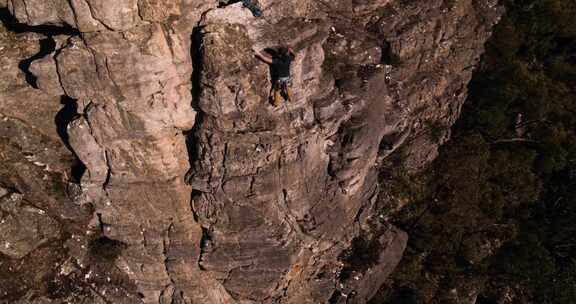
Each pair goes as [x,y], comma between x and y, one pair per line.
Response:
[279,203]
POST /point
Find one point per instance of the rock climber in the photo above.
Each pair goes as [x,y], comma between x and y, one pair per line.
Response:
[253,6]
[280,71]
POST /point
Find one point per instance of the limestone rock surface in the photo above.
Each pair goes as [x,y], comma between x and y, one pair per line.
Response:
[140,142]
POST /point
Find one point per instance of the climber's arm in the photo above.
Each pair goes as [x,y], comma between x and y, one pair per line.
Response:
[292,52]
[264,57]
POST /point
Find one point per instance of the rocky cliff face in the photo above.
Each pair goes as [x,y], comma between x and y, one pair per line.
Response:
[143,163]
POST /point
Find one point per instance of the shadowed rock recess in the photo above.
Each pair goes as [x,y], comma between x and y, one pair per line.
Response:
[141,161]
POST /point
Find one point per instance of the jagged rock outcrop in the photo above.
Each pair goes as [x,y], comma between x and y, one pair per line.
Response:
[279,206]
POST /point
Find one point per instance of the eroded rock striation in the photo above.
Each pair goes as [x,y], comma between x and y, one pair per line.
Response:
[139,139]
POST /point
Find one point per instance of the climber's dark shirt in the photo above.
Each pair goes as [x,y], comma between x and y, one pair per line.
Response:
[281,66]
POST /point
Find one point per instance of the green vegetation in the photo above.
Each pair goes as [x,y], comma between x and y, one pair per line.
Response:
[497,210]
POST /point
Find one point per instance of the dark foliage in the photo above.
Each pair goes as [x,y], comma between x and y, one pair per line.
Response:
[497,210]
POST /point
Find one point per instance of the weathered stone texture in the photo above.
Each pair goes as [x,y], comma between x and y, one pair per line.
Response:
[23,227]
[159,92]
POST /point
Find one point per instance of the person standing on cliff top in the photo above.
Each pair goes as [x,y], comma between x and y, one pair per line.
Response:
[280,70]
[253,6]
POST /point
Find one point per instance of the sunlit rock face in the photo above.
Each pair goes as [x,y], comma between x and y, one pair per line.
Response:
[139,141]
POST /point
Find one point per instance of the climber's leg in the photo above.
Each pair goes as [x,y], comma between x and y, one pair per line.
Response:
[284,87]
[277,93]
[288,91]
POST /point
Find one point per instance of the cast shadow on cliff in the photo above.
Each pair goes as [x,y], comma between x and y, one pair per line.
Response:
[105,250]
[388,56]
[196,53]
[197,68]
[67,114]
[47,45]
[13,25]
